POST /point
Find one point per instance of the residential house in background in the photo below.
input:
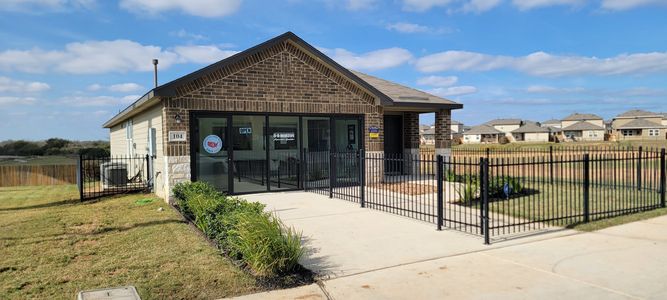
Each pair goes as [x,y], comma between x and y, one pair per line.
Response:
[427,132]
[552,123]
[482,134]
[639,125]
[506,126]
[531,132]
[427,135]
[583,127]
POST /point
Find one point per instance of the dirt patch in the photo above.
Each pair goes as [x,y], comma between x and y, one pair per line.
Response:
[406,188]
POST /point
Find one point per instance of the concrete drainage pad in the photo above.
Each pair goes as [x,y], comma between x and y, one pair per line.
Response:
[117,293]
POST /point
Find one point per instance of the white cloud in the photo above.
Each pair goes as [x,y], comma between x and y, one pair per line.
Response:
[544,64]
[374,60]
[8,85]
[359,4]
[48,5]
[629,4]
[407,27]
[126,87]
[424,5]
[97,57]
[98,100]
[188,35]
[95,87]
[200,8]
[453,91]
[545,89]
[9,100]
[479,6]
[202,54]
[438,81]
[532,4]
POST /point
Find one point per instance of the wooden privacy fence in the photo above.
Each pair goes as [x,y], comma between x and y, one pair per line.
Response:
[27,175]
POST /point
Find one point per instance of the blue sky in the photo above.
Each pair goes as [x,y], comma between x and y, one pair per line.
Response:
[66,66]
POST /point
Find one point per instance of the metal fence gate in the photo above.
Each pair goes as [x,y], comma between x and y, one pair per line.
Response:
[105,176]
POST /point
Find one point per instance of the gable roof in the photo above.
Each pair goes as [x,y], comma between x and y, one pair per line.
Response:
[398,94]
[640,124]
[531,128]
[552,121]
[504,122]
[482,129]
[636,113]
[582,125]
[582,117]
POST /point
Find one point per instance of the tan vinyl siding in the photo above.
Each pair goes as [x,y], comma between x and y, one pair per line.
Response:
[151,118]
[117,140]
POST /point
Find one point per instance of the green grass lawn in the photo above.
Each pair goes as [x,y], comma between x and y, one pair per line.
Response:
[566,202]
[645,143]
[52,246]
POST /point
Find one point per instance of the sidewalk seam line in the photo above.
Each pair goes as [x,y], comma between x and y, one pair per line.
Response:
[562,276]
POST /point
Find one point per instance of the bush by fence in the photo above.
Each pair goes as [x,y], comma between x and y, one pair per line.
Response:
[29,175]
[241,229]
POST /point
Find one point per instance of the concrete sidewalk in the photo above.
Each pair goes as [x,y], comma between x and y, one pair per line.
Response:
[400,258]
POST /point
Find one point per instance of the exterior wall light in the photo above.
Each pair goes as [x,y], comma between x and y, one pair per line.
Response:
[178,118]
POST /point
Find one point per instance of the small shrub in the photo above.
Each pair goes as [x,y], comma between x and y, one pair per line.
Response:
[504,140]
[468,191]
[266,245]
[240,228]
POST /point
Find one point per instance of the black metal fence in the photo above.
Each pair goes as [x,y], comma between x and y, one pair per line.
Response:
[104,176]
[495,196]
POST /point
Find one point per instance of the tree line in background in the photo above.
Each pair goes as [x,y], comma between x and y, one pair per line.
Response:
[54,146]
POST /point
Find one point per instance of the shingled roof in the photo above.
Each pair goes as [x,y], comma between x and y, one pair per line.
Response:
[531,128]
[482,129]
[582,117]
[582,125]
[636,113]
[496,122]
[640,124]
[401,94]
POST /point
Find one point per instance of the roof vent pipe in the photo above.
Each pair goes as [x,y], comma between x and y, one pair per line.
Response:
[155,71]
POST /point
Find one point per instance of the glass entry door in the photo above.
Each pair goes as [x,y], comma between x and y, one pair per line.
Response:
[249,154]
[211,152]
[347,142]
[284,152]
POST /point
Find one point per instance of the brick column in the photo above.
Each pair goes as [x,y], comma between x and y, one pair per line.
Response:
[410,142]
[443,138]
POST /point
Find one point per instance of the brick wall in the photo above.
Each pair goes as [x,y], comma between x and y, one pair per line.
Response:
[411,130]
[282,78]
[443,122]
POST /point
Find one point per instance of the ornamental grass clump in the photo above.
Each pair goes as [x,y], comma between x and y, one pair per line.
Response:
[241,229]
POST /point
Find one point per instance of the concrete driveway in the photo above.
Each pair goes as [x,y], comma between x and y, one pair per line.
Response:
[365,254]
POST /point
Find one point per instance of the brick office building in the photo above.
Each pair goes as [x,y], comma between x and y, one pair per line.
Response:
[243,123]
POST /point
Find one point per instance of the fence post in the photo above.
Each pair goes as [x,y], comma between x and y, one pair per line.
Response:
[332,173]
[439,184]
[79,176]
[639,169]
[304,162]
[149,175]
[663,177]
[587,187]
[485,201]
[551,164]
[362,181]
